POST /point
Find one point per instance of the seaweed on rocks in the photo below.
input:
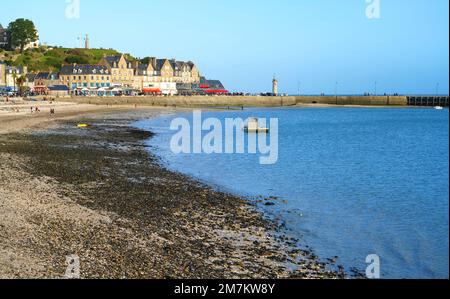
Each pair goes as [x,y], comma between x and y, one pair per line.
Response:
[157,223]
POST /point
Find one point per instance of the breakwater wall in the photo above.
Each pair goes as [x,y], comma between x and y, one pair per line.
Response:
[238,101]
[193,101]
[354,100]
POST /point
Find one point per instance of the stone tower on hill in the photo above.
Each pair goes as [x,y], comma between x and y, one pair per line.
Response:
[86,42]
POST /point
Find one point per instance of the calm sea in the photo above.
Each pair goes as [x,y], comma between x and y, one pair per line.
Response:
[356,182]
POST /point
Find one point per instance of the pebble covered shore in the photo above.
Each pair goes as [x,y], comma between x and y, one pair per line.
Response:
[97,193]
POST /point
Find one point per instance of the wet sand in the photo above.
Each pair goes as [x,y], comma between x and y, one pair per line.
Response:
[97,193]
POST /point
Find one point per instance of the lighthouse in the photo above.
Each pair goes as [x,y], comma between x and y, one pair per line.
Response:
[275,86]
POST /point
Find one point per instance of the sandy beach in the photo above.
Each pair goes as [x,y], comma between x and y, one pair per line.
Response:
[98,194]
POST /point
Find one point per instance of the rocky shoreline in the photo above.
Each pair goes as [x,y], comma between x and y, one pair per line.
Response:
[98,194]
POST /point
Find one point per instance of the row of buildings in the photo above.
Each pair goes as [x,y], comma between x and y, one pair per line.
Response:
[116,75]
[158,76]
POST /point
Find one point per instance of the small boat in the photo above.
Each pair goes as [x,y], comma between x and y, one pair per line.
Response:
[253,127]
[439,108]
[83,126]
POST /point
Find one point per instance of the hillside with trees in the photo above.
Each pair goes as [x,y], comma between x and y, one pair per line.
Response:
[52,58]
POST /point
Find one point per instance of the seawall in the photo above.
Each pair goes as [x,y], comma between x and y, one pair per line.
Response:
[238,101]
[354,100]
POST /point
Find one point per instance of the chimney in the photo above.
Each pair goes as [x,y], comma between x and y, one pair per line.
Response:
[152,62]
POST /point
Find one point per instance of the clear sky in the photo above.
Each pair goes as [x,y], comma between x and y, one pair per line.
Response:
[245,42]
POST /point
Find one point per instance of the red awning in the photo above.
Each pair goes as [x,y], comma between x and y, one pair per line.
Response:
[216,91]
[151,90]
[204,86]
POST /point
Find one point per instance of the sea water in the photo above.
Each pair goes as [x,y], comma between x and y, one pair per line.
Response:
[352,181]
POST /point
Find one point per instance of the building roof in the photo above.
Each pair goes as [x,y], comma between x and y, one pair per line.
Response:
[142,69]
[58,88]
[160,63]
[180,65]
[114,60]
[84,69]
[31,77]
[47,76]
[212,84]
[215,84]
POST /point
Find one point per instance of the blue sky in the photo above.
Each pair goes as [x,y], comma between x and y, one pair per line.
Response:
[245,42]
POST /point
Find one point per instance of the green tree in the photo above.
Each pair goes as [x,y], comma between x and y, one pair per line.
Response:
[20,81]
[145,60]
[77,59]
[22,32]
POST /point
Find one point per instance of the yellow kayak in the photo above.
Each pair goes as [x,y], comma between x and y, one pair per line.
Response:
[83,126]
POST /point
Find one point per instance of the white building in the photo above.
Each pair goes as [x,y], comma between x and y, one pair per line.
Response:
[34,44]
